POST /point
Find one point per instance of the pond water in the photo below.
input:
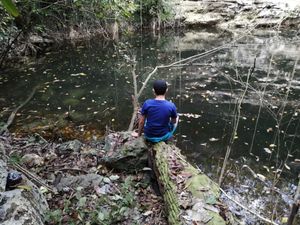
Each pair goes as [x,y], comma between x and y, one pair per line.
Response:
[253,83]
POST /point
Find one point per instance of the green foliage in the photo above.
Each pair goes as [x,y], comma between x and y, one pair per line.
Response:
[6,27]
[74,18]
[155,9]
[10,7]
[59,15]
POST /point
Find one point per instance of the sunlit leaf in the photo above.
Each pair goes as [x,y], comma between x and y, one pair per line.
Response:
[267,150]
[284,220]
[286,166]
[213,139]
[11,8]
[25,187]
[267,168]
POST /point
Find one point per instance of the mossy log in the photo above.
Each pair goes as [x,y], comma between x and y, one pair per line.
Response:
[190,196]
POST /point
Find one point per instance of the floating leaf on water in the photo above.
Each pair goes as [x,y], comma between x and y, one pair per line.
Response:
[213,139]
[286,166]
[277,171]
[77,74]
[267,168]
[267,150]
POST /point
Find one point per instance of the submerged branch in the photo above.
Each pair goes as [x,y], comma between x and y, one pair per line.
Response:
[249,210]
[13,114]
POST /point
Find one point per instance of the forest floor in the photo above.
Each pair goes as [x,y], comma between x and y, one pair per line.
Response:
[86,192]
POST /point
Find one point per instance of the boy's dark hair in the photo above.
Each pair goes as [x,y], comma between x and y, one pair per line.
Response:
[160,87]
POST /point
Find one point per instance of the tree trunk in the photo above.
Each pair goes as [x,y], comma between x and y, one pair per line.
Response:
[190,196]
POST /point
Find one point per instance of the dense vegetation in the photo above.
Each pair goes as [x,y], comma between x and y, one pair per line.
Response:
[33,23]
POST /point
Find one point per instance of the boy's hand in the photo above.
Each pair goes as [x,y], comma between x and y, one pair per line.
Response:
[134,134]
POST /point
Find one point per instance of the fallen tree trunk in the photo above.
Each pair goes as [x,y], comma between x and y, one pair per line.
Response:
[190,196]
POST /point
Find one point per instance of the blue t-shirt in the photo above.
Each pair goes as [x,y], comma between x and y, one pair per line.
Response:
[158,114]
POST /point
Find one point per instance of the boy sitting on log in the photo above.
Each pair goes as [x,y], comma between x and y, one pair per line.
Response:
[158,117]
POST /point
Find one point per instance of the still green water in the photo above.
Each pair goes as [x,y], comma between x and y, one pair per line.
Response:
[92,81]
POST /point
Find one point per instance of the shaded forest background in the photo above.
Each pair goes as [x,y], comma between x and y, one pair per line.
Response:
[28,27]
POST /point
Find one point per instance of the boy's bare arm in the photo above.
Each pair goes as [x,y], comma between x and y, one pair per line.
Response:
[141,124]
[175,120]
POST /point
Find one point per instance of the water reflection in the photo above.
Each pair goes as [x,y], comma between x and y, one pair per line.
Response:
[89,85]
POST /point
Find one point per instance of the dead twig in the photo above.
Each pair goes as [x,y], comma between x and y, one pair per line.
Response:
[68,169]
[135,97]
[34,178]
[13,114]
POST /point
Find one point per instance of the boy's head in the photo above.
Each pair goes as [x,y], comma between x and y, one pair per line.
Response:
[160,87]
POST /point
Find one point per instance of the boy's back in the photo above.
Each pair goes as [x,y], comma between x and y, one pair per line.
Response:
[158,114]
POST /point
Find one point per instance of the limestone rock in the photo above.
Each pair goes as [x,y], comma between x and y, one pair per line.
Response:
[3,166]
[69,147]
[17,210]
[32,160]
[2,151]
[3,175]
[124,152]
[84,181]
[206,19]
[22,207]
[227,14]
